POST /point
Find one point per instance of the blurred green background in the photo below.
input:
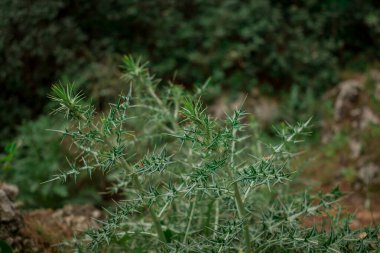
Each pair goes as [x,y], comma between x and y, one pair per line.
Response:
[286,48]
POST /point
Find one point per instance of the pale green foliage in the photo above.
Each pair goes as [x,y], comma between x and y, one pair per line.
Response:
[200,189]
[34,155]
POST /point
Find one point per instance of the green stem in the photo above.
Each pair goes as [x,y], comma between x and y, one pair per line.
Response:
[259,151]
[136,181]
[157,225]
[216,224]
[160,103]
[190,218]
[155,218]
[206,225]
[238,199]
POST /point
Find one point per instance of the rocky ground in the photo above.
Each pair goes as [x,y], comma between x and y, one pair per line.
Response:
[348,154]
[41,230]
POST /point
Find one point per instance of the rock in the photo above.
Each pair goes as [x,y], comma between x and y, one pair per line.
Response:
[7,211]
[10,189]
[11,223]
[353,115]
[348,97]
[265,109]
[39,230]
[369,174]
[41,225]
[367,117]
[78,217]
[356,147]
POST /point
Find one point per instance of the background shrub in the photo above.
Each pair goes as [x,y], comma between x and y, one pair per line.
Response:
[273,44]
[33,158]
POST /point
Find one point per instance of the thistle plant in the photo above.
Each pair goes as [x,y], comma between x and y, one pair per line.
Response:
[188,182]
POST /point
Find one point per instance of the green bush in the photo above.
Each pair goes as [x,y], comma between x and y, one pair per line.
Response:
[266,43]
[194,186]
[37,42]
[32,159]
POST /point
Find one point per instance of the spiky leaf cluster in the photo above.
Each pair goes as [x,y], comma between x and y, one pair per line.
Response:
[202,190]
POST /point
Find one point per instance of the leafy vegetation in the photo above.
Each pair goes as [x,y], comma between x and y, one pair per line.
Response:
[34,157]
[188,182]
[263,43]
[178,162]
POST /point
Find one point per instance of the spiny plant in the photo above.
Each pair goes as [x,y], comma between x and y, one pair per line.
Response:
[188,181]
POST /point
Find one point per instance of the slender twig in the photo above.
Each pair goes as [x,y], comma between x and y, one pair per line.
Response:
[189,218]
[216,223]
[238,199]
[127,166]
